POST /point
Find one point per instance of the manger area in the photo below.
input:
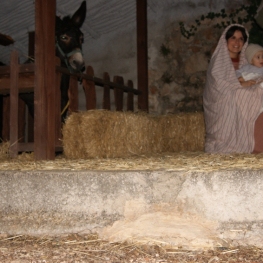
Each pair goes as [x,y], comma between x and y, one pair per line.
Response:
[185,198]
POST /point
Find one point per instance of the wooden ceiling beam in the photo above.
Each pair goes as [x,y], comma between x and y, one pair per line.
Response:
[6,40]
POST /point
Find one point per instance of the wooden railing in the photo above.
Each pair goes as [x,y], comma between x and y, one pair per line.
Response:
[19,78]
[90,83]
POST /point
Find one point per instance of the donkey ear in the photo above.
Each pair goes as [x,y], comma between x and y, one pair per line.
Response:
[80,15]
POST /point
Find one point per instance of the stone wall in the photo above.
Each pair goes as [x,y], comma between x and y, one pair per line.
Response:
[177,77]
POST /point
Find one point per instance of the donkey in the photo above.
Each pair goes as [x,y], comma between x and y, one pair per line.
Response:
[69,40]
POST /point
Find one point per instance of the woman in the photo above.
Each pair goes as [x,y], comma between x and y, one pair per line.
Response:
[231,110]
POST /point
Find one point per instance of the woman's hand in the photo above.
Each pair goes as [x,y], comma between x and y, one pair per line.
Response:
[247,83]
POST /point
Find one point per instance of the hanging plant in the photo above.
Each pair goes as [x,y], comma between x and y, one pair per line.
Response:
[242,15]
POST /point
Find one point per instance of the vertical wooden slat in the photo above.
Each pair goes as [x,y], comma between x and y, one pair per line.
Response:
[58,132]
[31,45]
[118,93]
[106,92]
[130,97]
[6,118]
[44,126]
[21,120]
[73,94]
[142,54]
[14,71]
[89,89]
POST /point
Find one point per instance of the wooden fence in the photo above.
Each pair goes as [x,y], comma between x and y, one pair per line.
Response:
[18,127]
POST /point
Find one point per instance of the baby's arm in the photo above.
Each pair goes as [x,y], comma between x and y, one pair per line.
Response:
[247,83]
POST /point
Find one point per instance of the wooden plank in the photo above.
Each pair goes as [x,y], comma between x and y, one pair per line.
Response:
[118,93]
[45,79]
[14,104]
[106,92]
[50,75]
[58,133]
[27,68]
[31,46]
[98,81]
[4,70]
[26,84]
[6,118]
[23,68]
[142,54]
[6,40]
[89,89]
[73,94]
[130,98]
[26,147]
[21,120]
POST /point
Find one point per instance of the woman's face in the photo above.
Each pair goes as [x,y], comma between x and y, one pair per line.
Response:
[235,44]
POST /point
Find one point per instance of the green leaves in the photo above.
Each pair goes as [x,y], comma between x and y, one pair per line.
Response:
[241,15]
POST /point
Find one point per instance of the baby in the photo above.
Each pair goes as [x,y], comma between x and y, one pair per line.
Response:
[252,73]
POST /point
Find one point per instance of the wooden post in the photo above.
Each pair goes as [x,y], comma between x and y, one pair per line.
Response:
[45,79]
[106,92]
[118,93]
[73,94]
[58,127]
[14,71]
[142,54]
[31,45]
[89,89]
[130,97]
[6,118]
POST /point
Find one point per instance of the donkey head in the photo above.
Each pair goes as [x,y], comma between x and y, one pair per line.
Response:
[69,39]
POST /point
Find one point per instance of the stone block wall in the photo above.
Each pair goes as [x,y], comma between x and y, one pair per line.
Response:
[177,76]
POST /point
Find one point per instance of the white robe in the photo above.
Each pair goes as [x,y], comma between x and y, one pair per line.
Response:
[230,110]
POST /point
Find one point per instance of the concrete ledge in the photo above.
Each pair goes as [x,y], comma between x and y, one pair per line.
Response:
[188,209]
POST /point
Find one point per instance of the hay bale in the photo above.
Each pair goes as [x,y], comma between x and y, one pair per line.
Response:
[71,135]
[4,150]
[183,132]
[109,134]
[105,134]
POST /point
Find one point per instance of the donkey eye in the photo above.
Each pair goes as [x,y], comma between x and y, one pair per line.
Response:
[64,37]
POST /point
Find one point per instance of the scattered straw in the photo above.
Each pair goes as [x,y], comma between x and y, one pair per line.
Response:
[183,161]
[56,249]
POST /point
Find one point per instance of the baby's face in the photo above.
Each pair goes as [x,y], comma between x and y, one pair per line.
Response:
[257,60]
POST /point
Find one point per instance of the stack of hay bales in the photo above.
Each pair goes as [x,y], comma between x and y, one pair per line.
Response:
[109,134]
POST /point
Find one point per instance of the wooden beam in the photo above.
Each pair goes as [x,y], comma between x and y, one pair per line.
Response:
[6,40]
[31,45]
[14,69]
[142,53]
[45,79]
